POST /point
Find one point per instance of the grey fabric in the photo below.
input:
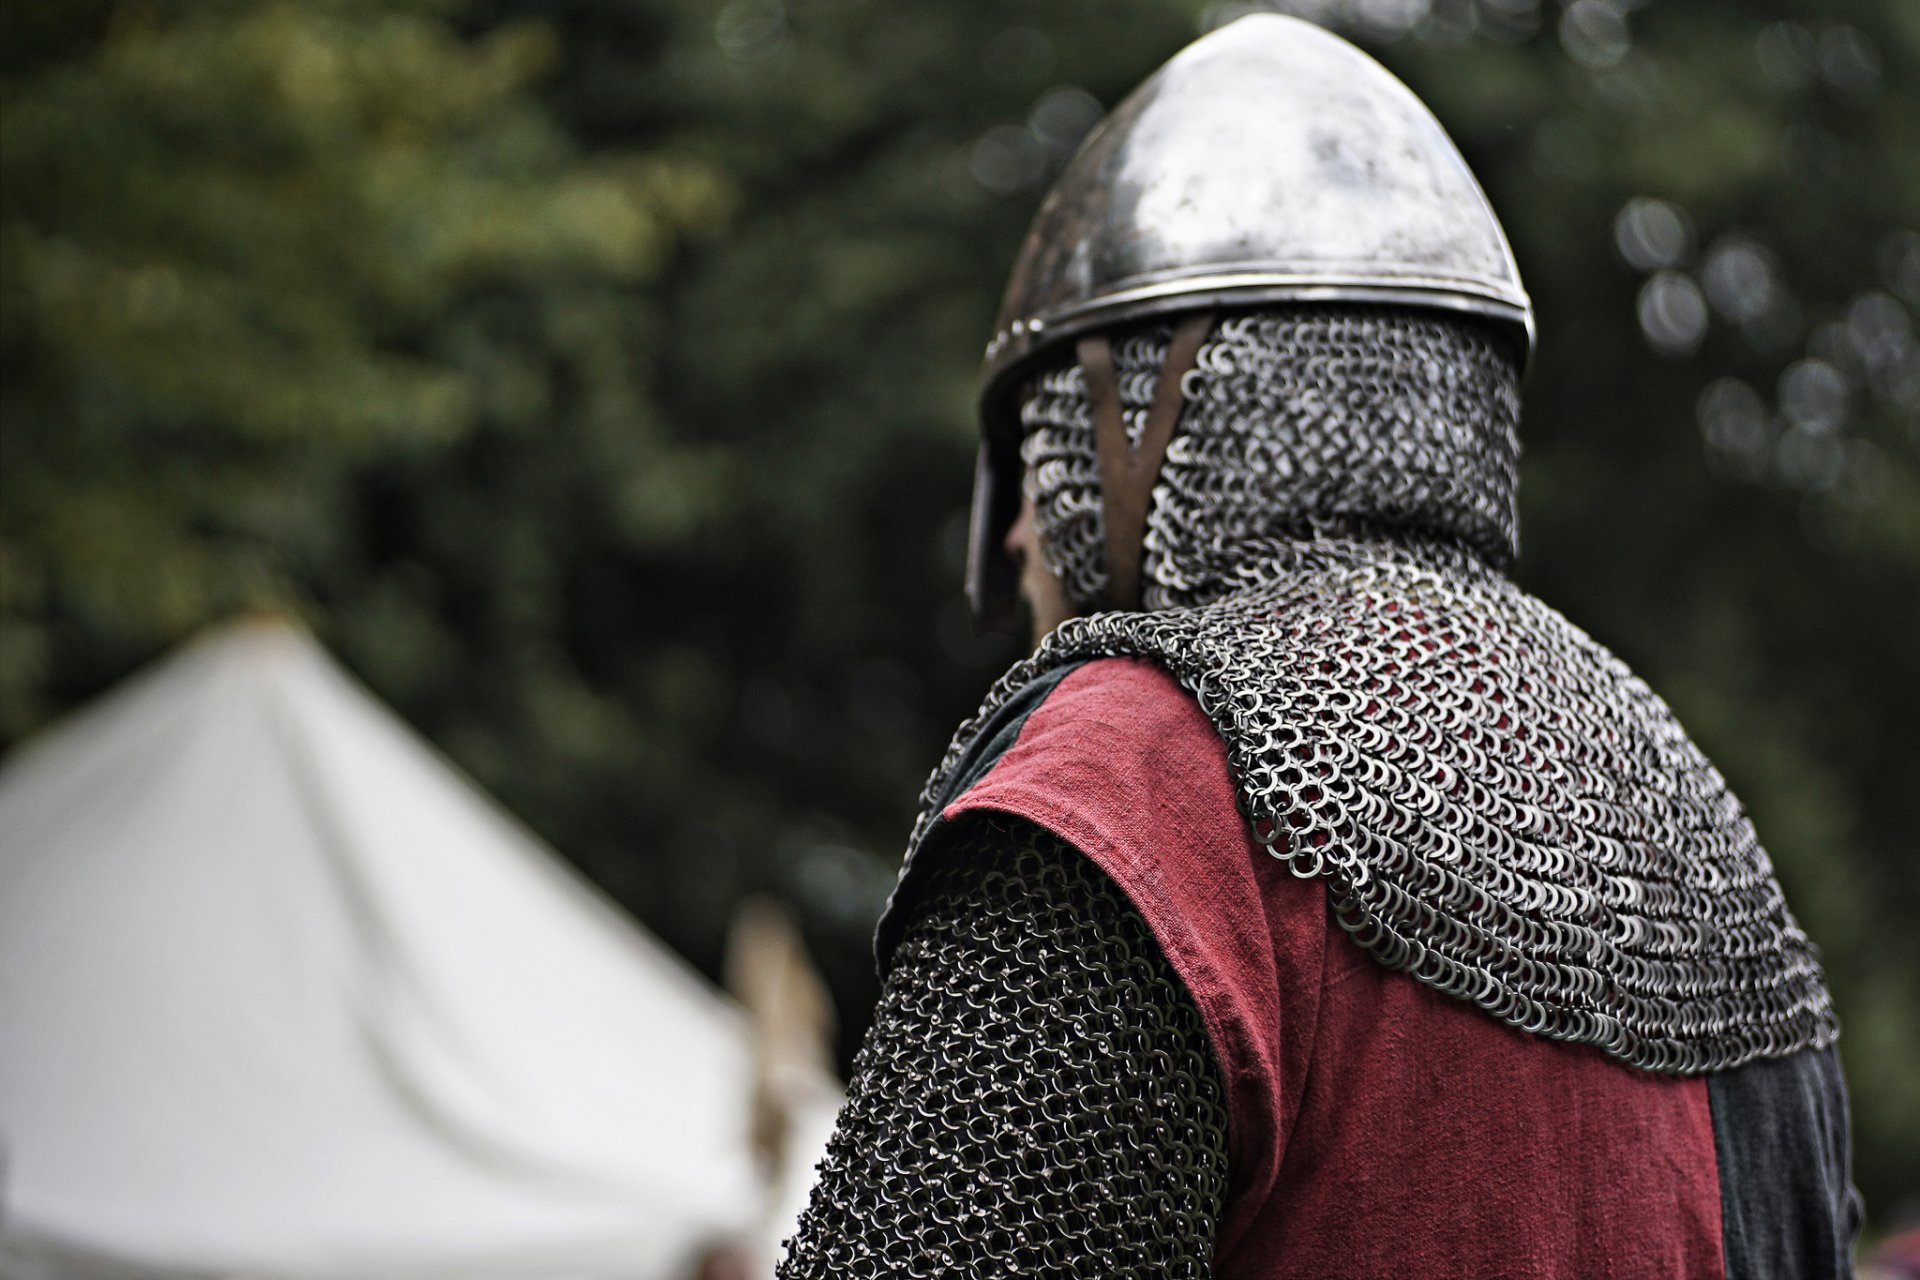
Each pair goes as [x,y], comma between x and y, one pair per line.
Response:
[1788,1208]
[1036,1096]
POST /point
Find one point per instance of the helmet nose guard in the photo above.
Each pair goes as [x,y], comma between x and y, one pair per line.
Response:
[1268,162]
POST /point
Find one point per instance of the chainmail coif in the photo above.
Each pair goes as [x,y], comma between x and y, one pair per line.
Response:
[1496,804]
[1036,1096]
[1403,419]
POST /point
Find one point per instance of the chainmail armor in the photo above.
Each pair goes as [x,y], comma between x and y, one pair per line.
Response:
[1386,414]
[1036,1096]
[1496,804]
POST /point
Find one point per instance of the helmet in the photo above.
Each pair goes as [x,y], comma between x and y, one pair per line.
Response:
[1270,161]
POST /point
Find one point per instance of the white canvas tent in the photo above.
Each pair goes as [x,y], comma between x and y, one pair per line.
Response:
[282,996]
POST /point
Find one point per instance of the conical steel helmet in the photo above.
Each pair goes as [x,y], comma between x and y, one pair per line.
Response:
[1270,161]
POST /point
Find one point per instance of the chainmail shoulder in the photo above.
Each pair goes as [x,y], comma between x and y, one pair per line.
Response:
[1036,1096]
[1496,804]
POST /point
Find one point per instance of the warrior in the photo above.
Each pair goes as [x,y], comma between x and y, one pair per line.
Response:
[1313,901]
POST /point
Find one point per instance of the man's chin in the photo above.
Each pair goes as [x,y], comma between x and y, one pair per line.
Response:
[1047,608]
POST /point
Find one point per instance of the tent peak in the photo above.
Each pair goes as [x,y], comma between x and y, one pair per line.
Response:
[262,621]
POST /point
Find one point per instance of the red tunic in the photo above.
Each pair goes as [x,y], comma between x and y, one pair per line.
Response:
[1376,1126]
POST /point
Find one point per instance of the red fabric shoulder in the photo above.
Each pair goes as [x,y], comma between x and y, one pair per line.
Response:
[1376,1126]
[1121,763]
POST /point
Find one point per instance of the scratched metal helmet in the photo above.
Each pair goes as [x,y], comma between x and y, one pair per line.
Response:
[1268,162]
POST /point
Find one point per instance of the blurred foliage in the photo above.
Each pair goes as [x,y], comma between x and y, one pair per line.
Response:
[595,376]
[253,252]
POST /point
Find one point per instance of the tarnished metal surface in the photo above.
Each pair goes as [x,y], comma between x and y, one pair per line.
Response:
[1269,161]
[1036,1096]
[1495,803]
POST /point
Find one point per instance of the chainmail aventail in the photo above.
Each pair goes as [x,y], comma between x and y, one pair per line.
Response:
[1496,804]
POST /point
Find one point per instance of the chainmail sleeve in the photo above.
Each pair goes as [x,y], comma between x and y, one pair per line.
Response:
[1036,1096]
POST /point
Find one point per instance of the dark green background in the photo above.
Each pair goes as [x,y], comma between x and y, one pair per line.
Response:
[595,377]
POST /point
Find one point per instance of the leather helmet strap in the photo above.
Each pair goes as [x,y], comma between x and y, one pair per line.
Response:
[1128,472]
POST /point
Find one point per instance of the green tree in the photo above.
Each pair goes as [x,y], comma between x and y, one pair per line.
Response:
[249,252]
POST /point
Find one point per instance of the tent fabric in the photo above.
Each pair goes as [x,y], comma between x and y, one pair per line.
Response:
[282,996]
